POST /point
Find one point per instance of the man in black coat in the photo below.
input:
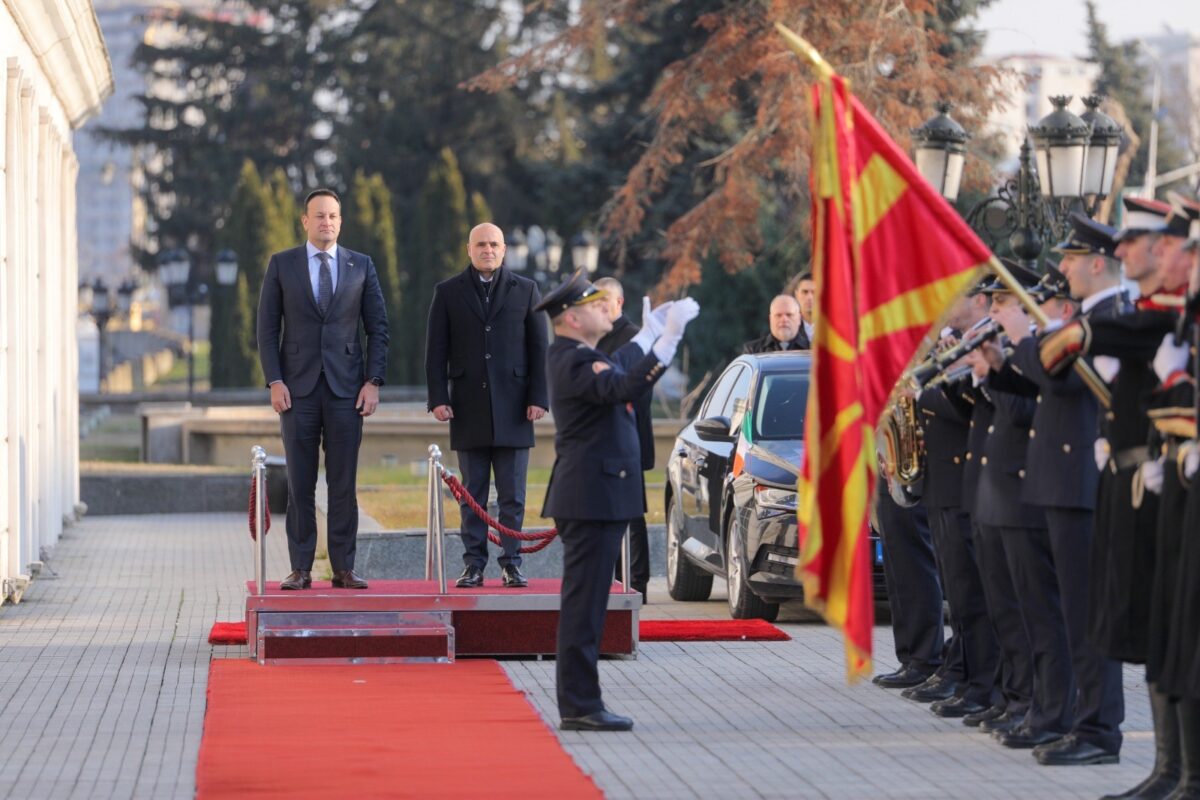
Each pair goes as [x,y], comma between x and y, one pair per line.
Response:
[313,299]
[485,366]
[594,488]
[787,332]
[623,331]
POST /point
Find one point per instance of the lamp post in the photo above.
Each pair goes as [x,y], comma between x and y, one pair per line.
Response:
[516,255]
[102,311]
[227,268]
[176,270]
[1075,164]
[585,252]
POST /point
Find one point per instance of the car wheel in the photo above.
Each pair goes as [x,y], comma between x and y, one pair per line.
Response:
[685,581]
[743,603]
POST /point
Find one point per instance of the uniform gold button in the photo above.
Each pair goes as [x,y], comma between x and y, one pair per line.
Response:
[957,460]
[1039,398]
[991,428]
[1032,433]
[972,423]
[983,460]
[1066,448]
[968,456]
[621,474]
[1020,473]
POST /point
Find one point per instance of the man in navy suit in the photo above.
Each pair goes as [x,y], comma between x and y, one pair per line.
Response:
[313,299]
[485,368]
[595,487]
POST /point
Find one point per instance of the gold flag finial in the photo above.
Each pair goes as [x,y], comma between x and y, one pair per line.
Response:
[803,48]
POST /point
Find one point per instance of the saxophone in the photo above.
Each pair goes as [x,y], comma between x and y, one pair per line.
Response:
[901,451]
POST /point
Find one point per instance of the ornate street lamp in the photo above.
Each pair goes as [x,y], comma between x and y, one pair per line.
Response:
[1061,140]
[227,268]
[585,252]
[1101,163]
[517,252]
[941,147]
[125,296]
[85,297]
[554,250]
[101,311]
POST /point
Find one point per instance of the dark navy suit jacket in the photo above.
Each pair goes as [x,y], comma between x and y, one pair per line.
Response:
[296,342]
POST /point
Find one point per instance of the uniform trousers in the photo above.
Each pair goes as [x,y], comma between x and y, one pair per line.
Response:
[1004,613]
[321,419]
[955,548]
[1031,563]
[1100,702]
[914,591]
[510,465]
[589,552]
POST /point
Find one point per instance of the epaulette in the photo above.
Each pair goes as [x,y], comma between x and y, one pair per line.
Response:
[1178,421]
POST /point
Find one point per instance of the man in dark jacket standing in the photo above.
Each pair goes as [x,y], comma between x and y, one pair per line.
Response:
[485,365]
[594,489]
[314,297]
[622,332]
[787,330]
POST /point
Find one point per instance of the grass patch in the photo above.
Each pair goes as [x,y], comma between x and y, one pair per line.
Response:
[201,349]
[400,507]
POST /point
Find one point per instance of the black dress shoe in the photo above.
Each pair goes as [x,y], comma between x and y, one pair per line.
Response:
[902,678]
[348,579]
[1009,720]
[1025,738]
[511,577]
[599,721]
[1076,753]
[980,717]
[471,578]
[936,688]
[298,579]
[956,707]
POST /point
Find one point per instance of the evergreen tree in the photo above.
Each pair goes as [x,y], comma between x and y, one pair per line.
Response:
[368,225]
[285,230]
[441,239]
[480,211]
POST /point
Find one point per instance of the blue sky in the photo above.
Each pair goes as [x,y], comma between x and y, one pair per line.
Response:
[1059,26]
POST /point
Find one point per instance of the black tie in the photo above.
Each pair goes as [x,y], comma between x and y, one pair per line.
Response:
[324,284]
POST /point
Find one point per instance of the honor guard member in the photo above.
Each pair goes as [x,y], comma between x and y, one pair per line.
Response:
[1021,527]
[1143,555]
[1061,478]
[595,486]
[945,426]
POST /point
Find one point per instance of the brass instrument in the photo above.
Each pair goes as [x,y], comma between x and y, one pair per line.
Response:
[901,450]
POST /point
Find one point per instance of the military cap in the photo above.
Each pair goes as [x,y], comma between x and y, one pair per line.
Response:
[1024,275]
[1179,219]
[1141,216]
[576,290]
[1055,283]
[1087,237]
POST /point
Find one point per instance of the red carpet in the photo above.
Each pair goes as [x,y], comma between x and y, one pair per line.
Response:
[710,630]
[649,630]
[386,730]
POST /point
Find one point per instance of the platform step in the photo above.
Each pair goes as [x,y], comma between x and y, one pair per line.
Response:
[355,637]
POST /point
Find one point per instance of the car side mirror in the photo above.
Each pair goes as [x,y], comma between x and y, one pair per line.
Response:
[714,429]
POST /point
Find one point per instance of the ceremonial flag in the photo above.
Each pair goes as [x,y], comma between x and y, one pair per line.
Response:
[889,255]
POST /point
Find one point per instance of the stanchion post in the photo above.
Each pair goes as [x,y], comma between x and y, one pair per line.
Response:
[625,549]
[259,476]
[431,488]
[439,527]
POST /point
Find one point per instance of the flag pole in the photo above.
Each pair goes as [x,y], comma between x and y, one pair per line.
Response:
[1084,369]
[803,48]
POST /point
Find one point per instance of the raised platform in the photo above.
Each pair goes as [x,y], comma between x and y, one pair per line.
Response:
[399,621]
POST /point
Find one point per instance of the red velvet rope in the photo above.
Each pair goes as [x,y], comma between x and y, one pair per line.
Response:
[543,538]
[266,511]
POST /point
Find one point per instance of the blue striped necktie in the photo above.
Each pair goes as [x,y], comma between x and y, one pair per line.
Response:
[324,284]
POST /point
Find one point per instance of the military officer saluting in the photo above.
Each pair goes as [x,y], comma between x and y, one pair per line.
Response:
[595,487]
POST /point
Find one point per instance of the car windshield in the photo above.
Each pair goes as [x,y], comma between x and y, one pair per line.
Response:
[780,405]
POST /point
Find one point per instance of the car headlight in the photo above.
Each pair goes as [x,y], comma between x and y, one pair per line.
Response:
[771,502]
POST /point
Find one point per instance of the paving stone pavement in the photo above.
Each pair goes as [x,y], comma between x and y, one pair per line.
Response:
[103,671]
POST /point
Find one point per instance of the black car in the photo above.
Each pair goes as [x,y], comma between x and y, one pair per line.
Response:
[731,488]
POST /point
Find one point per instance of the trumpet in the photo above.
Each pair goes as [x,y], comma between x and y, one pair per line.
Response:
[938,361]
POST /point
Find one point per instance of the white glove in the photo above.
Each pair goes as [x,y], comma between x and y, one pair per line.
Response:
[1191,462]
[1107,367]
[680,314]
[1170,358]
[654,321]
[1152,476]
[1101,450]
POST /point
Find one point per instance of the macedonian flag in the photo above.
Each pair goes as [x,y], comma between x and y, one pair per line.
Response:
[889,255]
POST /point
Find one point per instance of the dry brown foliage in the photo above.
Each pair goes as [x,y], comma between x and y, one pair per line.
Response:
[745,83]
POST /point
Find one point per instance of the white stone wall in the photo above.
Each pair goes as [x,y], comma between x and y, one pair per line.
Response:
[54,74]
